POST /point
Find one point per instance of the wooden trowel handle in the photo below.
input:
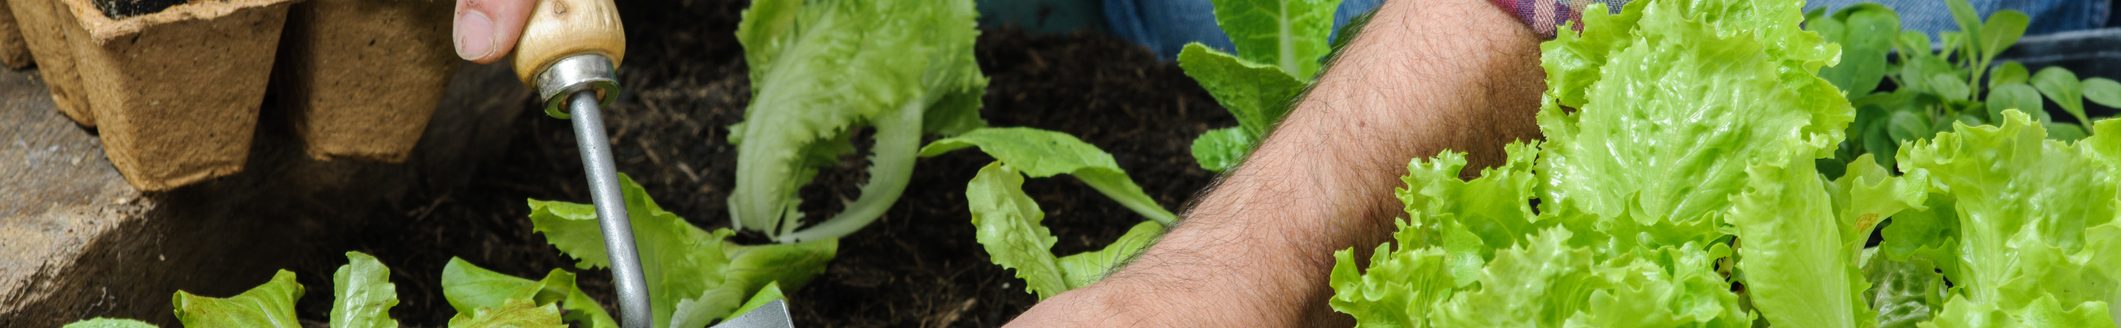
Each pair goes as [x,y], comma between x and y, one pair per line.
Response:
[563,28]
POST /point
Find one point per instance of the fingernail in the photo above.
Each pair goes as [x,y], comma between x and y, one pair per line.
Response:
[474,35]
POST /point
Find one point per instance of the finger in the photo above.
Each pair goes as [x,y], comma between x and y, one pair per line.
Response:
[486,30]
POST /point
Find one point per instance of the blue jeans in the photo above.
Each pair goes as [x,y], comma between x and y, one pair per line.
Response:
[1165,26]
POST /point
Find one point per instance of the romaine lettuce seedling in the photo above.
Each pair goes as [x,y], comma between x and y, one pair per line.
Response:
[823,69]
[1279,47]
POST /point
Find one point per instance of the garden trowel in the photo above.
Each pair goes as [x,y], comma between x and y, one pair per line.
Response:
[570,53]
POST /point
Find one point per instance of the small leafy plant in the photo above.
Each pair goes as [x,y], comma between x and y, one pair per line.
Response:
[695,276]
[1280,44]
[1008,221]
[362,297]
[823,69]
[1961,81]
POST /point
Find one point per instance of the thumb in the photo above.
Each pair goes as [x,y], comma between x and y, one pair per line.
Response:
[486,30]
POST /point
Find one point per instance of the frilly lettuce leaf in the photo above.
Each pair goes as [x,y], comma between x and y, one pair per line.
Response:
[362,294]
[1681,139]
[269,305]
[2031,235]
[822,69]
[469,289]
[1009,224]
[511,313]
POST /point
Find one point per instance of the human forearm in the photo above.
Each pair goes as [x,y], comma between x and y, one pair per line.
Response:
[1423,77]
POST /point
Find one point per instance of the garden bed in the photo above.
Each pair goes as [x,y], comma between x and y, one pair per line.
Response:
[918,266]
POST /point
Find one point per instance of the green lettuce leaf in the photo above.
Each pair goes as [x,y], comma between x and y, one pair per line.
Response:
[1222,149]
[362,294]
[2035,238]
[1007,223]
[1287,34]
[269,305]
[821,70]
[1257,94]
[469,288]
[1041,153]
[512,313]
[1681,144]
[696,276]
[109,323]
[1905,293]
[1281,45]
[1084,268]
[1799,264]
[1623,142]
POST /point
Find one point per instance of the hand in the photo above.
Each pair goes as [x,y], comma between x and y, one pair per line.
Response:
[1257,250]
[486,30]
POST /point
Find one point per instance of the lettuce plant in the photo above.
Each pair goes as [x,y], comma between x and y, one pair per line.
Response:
[694,276]
[1008,223]
[1959,81]
[1280,44]
[823,69]
[1678,187]
[362,296]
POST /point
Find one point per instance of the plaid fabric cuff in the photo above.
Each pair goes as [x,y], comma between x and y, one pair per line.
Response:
[1544,16]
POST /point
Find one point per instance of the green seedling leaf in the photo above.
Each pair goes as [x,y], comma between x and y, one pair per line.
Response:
[362,294]
[269,305]
[2007,73]
[2062,86]
[1866,33]
[1905,125]
[1290,35]
[2104,91]
[1088,267]
[2001,31]
[1969,27]
[1008,224]
[513,313]
[1040,153]
[2064,132]
[2010,96]
[1950,87]
[1256,94]
[109,323]
[1222,149]
[469,288]
[1913,44]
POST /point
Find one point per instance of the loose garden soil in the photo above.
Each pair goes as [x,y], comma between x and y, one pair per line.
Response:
[917,266]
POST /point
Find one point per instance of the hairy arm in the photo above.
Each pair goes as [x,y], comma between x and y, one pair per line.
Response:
[1256,250]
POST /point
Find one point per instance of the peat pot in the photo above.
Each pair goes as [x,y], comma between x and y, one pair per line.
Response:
[360,78]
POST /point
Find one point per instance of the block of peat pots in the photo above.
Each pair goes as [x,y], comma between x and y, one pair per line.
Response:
[360,78]
[44,24]
[175,86]
[13,52]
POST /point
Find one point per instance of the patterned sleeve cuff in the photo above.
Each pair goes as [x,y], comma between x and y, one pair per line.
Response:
[1544,16]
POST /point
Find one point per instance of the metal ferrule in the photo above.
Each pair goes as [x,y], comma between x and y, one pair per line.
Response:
[583,72]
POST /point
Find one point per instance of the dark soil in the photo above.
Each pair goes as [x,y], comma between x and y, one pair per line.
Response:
[917,266]
[122,9]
